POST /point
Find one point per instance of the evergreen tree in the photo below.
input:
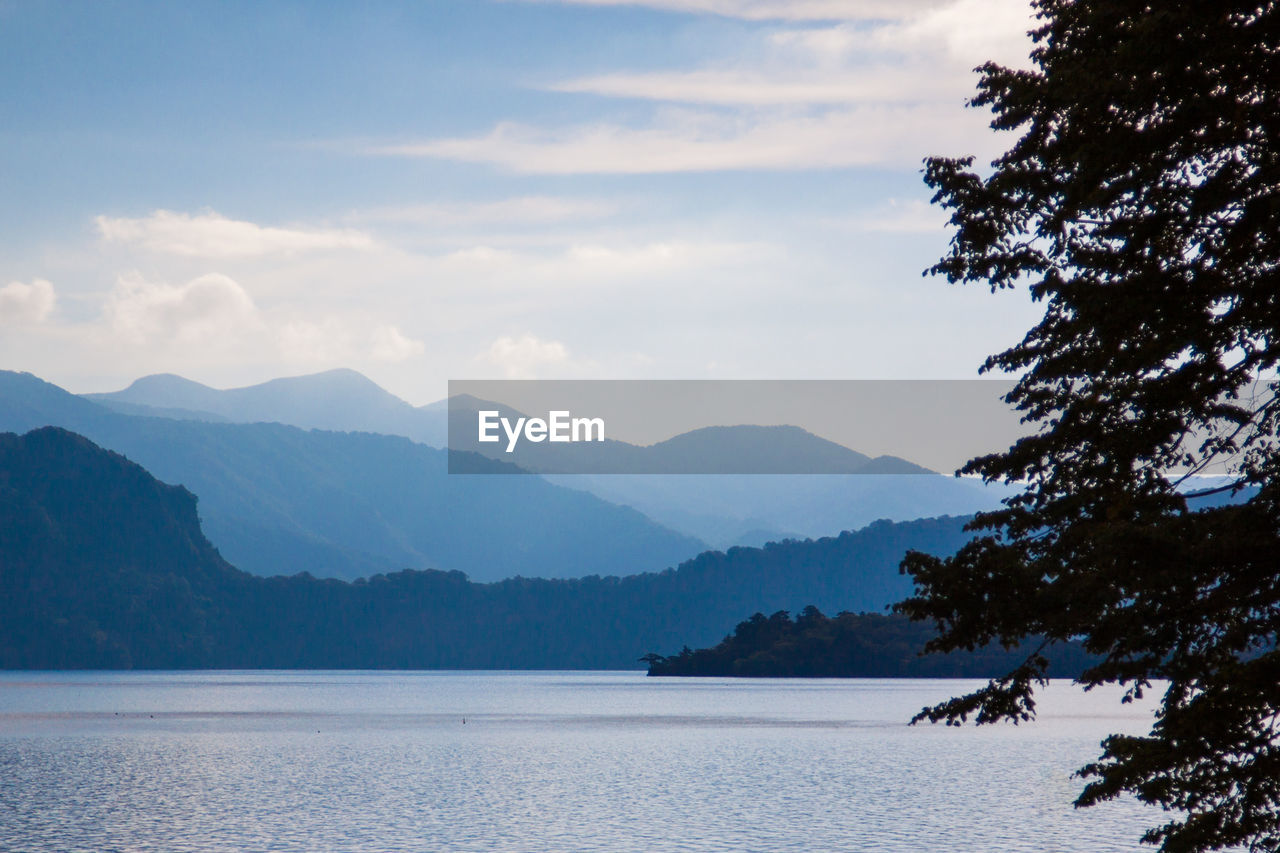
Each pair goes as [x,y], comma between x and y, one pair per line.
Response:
[1141,205]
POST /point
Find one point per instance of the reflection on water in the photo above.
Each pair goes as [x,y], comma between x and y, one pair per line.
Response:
[538,761]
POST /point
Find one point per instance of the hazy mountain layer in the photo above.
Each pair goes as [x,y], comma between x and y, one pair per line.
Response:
[722,509]
[276,499]
[334,400]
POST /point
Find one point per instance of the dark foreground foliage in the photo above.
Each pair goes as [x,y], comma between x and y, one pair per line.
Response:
[1141,205]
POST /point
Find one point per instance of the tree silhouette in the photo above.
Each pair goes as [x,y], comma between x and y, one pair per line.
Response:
[1141,205]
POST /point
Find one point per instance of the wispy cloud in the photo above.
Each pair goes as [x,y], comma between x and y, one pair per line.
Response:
[683,141]
[521,210]
[605,265]
[774,10]
[880,92]
[875,85]
[924,56]
[210,235]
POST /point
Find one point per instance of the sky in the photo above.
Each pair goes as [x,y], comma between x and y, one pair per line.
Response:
[466,189]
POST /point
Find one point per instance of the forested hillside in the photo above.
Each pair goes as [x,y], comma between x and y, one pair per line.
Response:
[103,566]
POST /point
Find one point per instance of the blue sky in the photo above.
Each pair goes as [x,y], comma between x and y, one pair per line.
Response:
[435,190]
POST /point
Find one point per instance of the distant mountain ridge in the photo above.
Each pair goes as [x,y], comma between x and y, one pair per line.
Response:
[709,450]
[341,399]
[721,510]
[102,566]
[346,400]
[277,499]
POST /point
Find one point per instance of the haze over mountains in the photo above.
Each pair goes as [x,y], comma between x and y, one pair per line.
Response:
[278,499]
[720,510]
[751,509]
[348,401]
[103,565]
[715,449]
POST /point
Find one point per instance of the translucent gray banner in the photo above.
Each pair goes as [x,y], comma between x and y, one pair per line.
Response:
[906,427]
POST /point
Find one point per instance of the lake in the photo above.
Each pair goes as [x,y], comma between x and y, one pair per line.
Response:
[540,761]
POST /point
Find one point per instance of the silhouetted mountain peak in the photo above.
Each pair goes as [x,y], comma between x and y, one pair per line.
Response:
[70,509]
[340,399]
[167,390]
[773,449]
[157,383]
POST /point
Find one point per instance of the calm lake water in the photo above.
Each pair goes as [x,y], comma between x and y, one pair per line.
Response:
[549,761]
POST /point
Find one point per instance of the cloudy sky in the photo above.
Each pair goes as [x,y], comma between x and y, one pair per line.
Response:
[474,189]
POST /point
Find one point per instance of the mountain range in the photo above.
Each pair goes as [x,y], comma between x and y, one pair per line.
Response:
[340,400]
[720,509]
[101,565]
[279,499]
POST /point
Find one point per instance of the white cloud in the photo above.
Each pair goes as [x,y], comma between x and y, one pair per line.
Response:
[388,343]
[829,45]
[766,10]
[215,313]
[27,303]
[211,309]
[882,93]
[599,264]
[334,340]
[925,56]
[763,88]
[657,258]
[479,257]
[211,235]
[684,141]
[523,357]
[326,341]
[523,210]
[969,31]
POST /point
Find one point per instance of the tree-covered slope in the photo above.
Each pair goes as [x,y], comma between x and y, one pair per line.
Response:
[848,645]
[103,566]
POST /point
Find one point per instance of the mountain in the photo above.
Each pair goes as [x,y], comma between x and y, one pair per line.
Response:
[103,566]
[348,401]
[727,509]
[711,450]
[719,509]
[342,400]
[277,499]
